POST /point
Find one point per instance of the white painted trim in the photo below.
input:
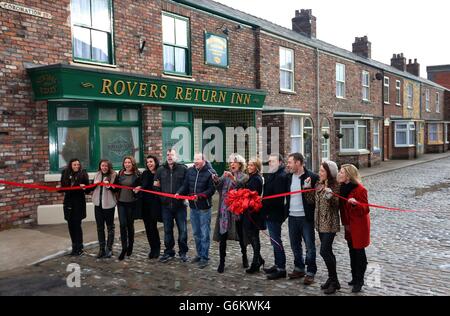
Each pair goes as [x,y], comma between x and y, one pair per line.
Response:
[286,113]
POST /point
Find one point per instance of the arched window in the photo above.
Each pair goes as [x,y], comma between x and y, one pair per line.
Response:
[325,140]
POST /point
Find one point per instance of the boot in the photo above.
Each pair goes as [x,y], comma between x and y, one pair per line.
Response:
[110,242]
[221,267]
[244,259]
[101,252]
[256,265]
[130,249]
[334,286]
[222,253]
[122,254]
[74,250]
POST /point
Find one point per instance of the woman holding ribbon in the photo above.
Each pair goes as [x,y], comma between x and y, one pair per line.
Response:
[356,220]
[228,226]
[104,201]
[74,204]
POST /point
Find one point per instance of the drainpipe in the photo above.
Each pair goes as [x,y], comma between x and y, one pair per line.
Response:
[383,113]
[318,111]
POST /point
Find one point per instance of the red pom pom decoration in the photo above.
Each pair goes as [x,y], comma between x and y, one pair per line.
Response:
[239,201]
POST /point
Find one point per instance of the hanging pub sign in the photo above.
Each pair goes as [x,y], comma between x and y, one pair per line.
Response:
[216,50]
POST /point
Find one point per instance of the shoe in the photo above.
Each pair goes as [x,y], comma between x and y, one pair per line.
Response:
[108,254]
[122,254]
[197,259]
[332,288]
[255,266]
[130,250]
[326,285]
[153,255]
[202,264]
[244,261]
[165,257]
[271,270]
[308,280]
[221,267]
[79,253]
[357,287]
[184,257]
[296,275]
[352,282]
[277,274]
[101,253]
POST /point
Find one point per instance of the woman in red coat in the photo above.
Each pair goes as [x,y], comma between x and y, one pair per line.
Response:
[356,220]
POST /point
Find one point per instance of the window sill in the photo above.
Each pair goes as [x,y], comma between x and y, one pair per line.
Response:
[387,103]
[178,77]
[359,152]
[288,92]
[341,98]
[366,102]
[398,104]
[404,146]
[92,63]
[376,151]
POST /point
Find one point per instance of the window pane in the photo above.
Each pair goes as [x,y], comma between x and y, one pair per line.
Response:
[182,117]
[169,58]
[167,116]
[81,42]
[362,138]
[295,144]
[181,32]
[180,60]
[412,137]
[295,126]
[100,13]
[72,114]
[401,137]
[348,141]
[169,142]
[168,29]
[118,142]
[308,123]
[130,115]
[286,80]
[81,12]
[282,57]
[100,47]
[106,114]
[73,143]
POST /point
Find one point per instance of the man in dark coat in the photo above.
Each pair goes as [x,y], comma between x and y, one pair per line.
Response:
[169,178]
[199,183]
[274,213]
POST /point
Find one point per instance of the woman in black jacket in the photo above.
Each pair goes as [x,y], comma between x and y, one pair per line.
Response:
[151,207]
[74,203]
[253,222]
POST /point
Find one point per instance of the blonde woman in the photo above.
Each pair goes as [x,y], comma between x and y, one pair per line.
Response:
[228,226]
[356,220]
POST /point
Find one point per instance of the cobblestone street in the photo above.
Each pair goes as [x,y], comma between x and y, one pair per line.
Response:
[409,254]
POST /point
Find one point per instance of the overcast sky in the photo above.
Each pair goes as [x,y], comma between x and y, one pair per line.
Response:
[419,29]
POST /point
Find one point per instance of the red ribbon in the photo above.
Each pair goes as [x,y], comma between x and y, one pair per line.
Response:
[377,206]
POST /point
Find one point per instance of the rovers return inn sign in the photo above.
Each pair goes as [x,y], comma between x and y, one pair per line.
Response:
[73,82]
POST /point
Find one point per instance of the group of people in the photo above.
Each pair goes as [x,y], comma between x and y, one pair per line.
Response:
[315,202]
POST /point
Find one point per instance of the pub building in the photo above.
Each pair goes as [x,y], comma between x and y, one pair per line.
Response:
[96,79]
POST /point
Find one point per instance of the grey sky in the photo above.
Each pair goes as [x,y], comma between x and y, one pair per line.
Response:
[419,29]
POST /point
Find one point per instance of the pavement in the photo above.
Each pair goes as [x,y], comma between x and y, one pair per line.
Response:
[23,247]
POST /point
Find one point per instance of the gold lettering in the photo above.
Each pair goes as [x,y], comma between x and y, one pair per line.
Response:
[120,91]
[131,90]
[179,94]
[214,96]
[232,97]
[239,98]
[197,91]
[188,95]
[247,99]
[163,92]
[153,90]
[205,99]
[106,86]
[222,96]
[142,89]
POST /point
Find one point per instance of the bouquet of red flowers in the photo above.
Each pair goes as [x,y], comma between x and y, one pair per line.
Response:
[238,201]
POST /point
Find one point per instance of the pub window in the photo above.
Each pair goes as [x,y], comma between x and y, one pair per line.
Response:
[92,30]
[93,131]
[176,54]
[177,133]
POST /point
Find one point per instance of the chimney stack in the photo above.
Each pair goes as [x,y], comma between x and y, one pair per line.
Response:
[399,62]
[304,23]
[413,68]
[362,47]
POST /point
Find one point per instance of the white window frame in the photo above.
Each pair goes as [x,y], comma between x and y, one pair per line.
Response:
[410,127]
[365,87]
[446,133]
[398,93]
[386,84]
[438,104]
[410,96]
[340,81]
[427,100]
[376,135]
[433,132]
[298,137]
[325,143]
[356,125]
[284,50]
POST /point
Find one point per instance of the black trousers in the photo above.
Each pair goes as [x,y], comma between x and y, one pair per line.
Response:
[326,251]
[223,243]
[126,220]
[76,234]
[102,217]
[151,229]
[358,263]
[253,235]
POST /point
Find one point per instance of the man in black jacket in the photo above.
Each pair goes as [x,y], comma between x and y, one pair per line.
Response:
[274,213]
[300,210]
[169,178]
[199,183]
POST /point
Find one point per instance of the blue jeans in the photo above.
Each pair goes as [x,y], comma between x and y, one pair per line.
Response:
[201,229]
[180,217]
[298,228]
[275,234]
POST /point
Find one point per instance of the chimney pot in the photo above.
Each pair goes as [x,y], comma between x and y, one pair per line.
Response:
[304,23]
